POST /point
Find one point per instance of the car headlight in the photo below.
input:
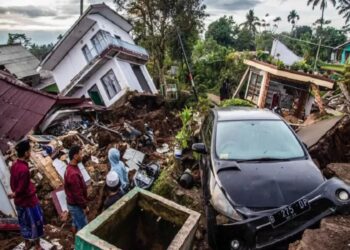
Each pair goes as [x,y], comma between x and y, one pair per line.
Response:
[220,203]
[342,195]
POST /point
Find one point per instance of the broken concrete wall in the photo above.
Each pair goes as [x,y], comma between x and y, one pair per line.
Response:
[334,146]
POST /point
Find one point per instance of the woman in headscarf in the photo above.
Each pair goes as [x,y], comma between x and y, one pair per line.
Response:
[118,166]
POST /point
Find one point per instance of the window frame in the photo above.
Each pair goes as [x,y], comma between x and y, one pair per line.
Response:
[85,54]
[115,84]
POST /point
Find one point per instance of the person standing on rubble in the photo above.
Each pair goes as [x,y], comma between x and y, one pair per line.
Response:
[113,187]
[118,166]
[76,190]
[30,214]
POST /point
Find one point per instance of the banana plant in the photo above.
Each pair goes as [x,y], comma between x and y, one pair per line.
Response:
[343,74]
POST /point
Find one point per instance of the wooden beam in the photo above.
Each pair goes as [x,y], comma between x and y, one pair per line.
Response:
[241,82]
[248,85]
[318,98]
[264,90]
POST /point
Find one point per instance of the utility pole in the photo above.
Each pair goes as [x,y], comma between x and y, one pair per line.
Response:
[188,65]
[81,7]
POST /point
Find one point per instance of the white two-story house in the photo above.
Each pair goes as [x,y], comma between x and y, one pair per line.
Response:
[98,58]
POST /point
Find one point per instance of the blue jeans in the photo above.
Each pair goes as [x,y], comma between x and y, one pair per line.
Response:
[78,216]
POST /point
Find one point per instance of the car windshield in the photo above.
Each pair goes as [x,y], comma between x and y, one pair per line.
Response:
[256,140]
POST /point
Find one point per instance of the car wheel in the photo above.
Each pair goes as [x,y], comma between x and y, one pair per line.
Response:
[211,225]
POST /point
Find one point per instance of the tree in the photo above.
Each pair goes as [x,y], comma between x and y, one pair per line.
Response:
[264,41]
[223,31]
[40,51]
[18,38]
[157,22]
[245,40]
[323,5]
[252,22]
[344,9]
[292,18]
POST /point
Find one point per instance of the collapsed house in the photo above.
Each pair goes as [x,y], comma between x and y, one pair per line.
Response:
[268,87]
[97,58]
[18,61]
[22,110]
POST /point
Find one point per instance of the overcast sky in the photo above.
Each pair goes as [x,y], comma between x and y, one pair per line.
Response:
[44,20]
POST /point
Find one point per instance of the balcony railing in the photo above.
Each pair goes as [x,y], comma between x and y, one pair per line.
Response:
[119,45]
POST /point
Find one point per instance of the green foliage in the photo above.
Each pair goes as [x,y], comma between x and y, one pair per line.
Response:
[18,38]
[184,135]
[222,31]
[156,26]
[264,41]
[40,51]
[302,65]
[237,102]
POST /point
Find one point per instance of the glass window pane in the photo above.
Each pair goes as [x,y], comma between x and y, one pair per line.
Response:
[249,140]
[111,84]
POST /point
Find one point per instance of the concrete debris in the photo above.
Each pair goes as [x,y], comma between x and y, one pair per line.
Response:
[45,245]
[337,102]
[137,127]
[333,145]
[333,234]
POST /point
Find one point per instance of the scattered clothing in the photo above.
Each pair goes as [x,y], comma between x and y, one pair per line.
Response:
[24,189]
[118,166]
[78,216]
[31,222]
[75,187]
[113,198]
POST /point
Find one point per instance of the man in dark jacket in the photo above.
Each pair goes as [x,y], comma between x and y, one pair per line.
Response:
[30,215]
[76,190]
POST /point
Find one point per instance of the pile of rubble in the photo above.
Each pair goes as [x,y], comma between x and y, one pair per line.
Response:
[139,124]
[337,102]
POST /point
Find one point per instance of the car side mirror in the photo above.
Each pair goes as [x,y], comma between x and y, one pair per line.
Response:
[199,148]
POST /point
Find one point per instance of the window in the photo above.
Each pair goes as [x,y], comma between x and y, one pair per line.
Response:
[256,139]
[101,40]
[87,53]
[110,83]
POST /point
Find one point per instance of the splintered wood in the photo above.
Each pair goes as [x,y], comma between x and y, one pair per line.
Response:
[44,165]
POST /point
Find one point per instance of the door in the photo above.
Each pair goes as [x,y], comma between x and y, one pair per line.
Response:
[95,95]
[141,78]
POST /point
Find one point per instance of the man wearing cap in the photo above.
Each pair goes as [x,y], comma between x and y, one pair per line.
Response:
[114,191]
[76,190]
[30,215]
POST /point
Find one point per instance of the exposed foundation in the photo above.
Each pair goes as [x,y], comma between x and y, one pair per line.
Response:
[140,220]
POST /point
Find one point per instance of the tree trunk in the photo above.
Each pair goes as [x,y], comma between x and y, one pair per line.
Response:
[318,98]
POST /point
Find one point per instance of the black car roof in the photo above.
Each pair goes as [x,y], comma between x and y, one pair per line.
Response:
[244,113]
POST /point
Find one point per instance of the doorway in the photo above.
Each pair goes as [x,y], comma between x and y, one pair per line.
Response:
[95,95]
[141,78]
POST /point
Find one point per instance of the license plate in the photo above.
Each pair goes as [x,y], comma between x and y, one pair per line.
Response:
[289,212]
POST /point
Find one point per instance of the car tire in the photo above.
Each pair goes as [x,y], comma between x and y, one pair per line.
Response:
[211,225]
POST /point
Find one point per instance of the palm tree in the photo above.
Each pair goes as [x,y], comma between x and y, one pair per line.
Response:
[292,18]
[323,5]
[252,22]
[344,9]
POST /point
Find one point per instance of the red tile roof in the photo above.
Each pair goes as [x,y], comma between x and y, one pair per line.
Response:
[22,108]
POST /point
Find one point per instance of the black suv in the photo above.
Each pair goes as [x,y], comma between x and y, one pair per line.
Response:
[260,185]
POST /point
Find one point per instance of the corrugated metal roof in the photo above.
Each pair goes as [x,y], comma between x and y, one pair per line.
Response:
[18,60]
[21,109]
